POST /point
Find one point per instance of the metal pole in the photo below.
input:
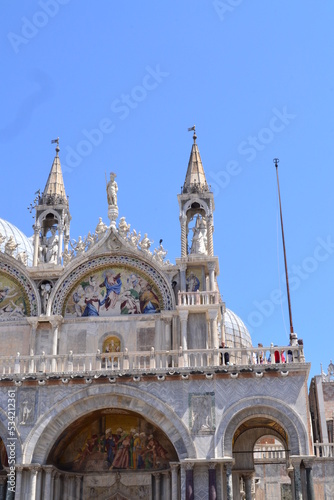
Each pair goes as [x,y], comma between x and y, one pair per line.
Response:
[276,161]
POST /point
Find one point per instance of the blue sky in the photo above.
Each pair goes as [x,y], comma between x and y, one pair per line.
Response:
[120,83]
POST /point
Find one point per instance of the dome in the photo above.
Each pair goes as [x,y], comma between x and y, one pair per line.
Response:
[24,243]
[236,333]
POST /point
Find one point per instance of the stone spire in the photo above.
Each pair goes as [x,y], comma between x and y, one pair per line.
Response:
[52,219]
[54,191]
[195,181]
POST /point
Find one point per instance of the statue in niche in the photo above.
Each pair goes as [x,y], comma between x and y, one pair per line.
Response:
[199,241]
[45,295]
[48,251]
[10,246]
[112,189]
[192,282]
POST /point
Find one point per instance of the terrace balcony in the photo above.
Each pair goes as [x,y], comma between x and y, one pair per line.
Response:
[187,299]
[153,362]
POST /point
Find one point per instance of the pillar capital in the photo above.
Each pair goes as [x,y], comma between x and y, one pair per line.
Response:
[55,321]
[213,314]
[188,465]
[308,462]
[211,266]
[295,460]
[33,321]
[183,315]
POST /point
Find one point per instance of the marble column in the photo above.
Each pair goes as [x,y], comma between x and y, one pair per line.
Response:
[212,482]
[57,485]
[308,463]
[248,485]
[229,483]
[298,484]
[184,333]
[157,482]
[36,243]
[18,481]
[167,492]
[33,322]
[213,315]
[60,242]
[212,268]
[174,467]
[209,235]
[77,487]
[190,494]
[55,322]
[33,474]
[47,490]
[291,473]
[183,222]
[183,283]
[167,339]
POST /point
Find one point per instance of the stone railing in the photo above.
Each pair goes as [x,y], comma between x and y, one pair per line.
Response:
[323,450]
[152,361]
[198,298]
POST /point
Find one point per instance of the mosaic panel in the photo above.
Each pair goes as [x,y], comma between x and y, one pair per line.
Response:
[112,285]
[15,292]
[112,440]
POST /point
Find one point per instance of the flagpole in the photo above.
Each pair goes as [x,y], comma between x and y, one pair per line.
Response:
[276,161]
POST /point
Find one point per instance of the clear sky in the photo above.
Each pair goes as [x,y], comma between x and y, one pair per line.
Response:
[121,81]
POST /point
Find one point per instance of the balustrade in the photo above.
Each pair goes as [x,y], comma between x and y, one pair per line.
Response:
[324,449]
[147,361]
[198,298]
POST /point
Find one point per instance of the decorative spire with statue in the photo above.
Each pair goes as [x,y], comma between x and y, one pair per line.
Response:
[112,189]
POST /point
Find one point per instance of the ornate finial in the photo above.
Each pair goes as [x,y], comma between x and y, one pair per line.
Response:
[194,129]
[276,161]
[57,147]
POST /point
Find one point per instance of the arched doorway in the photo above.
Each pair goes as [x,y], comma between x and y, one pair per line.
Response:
[261,453]
[118,454]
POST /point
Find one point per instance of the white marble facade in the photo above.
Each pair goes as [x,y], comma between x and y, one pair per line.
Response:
[114,382]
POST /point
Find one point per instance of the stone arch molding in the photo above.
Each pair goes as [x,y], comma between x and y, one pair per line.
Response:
[64,286]
[13,269]
[202,204]
[263,407]
[7,439]
[42,437]
[45,213]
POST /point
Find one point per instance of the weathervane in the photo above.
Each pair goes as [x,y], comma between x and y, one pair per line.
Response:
[54,141]
[194,129]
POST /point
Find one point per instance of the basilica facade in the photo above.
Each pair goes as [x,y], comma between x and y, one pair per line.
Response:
[123,375]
